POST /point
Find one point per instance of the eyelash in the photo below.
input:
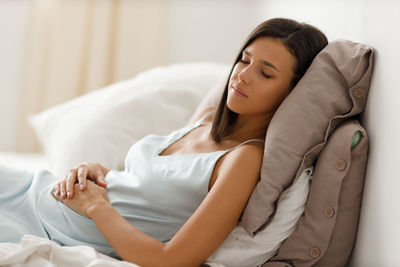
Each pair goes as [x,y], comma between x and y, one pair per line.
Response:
[244,62]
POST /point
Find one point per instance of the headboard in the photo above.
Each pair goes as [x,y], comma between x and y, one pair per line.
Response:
[374,23]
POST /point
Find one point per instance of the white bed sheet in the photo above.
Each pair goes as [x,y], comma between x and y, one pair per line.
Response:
[35,251]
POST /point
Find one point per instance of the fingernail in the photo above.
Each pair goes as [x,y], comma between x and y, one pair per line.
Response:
[81,186]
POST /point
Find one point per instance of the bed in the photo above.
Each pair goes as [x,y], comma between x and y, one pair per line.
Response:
[376,243]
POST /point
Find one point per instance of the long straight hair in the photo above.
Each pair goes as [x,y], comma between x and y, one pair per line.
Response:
[302,40]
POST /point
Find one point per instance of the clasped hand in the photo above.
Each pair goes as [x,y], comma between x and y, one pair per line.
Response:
[82,195]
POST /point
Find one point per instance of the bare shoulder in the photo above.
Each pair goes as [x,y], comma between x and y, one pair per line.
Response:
[200,113]
[247,153]
[245,160]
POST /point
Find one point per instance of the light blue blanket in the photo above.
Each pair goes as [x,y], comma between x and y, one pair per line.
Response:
[28,207]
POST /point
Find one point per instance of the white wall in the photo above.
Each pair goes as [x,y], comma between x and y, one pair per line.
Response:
[210,30]
[13,18]
[374,22]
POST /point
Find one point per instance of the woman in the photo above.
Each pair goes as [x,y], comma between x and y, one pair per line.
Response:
[180,195]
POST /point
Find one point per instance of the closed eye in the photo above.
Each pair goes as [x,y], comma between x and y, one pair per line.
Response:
[241,60]
[245,62]
[266,75]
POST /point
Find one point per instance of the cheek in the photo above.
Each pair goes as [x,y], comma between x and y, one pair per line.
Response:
[270,99]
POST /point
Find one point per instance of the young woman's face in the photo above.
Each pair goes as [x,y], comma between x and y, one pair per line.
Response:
[260,80]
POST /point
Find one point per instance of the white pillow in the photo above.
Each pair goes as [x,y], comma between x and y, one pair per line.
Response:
[242,250]
[102,125]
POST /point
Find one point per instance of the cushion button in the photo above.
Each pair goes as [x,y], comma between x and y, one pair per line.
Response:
[309,160]
[314,252]
[329,212]
[358,92]
[340,164]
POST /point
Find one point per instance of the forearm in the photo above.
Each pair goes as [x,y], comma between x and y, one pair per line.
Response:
[129,242]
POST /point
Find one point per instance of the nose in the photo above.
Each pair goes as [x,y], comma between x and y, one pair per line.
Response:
[244,76]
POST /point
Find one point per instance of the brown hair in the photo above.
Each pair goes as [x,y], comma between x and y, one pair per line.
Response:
[302,40]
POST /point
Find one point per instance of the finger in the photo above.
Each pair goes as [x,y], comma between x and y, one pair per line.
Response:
[100,179]
[62,190]
[82,174]
[69,183]
[56,189]
[56,195]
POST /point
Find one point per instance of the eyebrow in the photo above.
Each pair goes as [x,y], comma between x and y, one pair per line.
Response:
[266,63]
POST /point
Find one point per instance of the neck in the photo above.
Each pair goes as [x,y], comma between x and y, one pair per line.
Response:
[251,126]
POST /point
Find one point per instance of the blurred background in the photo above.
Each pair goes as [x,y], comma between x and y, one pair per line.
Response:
[55,50]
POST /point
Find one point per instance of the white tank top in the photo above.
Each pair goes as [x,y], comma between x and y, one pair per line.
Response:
[157,194]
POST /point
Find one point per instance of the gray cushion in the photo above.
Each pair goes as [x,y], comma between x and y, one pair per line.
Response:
[326,232]
[335,87]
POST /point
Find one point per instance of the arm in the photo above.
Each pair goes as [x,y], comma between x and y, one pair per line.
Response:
[205,230]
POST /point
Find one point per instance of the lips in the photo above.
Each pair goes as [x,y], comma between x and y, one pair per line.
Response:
[238,91]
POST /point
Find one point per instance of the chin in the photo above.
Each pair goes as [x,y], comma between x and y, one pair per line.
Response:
[239,110]
[233,107]
[235,104]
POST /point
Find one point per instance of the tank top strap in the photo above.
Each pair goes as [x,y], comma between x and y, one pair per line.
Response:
[245,142]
